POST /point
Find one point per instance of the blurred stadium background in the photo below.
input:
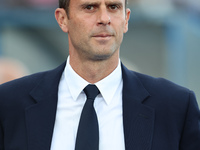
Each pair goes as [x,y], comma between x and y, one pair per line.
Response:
[163,38]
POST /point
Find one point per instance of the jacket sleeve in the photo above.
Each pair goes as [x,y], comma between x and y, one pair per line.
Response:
[1,137]
[1,127]
[191,134]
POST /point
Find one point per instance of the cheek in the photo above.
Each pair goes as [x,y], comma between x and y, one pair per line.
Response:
[75,28]
[83,26]
[121,26]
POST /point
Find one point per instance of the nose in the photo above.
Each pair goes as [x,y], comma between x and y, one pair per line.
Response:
[104,17]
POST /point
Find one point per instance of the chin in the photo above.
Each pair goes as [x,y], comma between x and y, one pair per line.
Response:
[101,57]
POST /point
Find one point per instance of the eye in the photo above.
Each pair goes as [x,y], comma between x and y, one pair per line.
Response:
[113,7]
[89,7]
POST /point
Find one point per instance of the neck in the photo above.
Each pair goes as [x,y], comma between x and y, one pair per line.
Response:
[94,71]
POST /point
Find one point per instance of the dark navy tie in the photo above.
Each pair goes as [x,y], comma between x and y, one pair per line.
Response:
[88,130]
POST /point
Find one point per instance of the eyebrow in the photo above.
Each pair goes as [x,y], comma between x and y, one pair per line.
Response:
[90,3]
[98,3]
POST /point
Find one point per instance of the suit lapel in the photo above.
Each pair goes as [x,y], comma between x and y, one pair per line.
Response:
[138,119]
[40,117]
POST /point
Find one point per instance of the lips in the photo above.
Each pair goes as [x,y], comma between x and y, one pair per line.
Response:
[102,35]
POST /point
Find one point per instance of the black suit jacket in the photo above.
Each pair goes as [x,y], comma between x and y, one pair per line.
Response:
[157,114]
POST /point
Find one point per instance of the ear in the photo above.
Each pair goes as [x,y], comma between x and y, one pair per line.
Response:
[128,12]
[62,19]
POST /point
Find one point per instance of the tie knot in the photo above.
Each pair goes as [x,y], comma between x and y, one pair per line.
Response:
[91,91]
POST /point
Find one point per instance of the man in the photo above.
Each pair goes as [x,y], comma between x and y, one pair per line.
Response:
[134,111]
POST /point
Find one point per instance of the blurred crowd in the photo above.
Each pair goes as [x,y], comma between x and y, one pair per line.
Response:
[28,3]
[185,5]
[11,69]
[193,5]
[189,5]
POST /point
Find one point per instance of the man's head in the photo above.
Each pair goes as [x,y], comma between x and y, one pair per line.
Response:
[95,27]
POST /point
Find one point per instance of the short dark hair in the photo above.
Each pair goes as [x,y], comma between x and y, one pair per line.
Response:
[65,4]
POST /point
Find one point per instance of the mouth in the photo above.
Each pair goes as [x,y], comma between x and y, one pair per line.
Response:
[103,36]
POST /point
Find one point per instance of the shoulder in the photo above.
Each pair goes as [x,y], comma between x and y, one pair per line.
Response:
[166,93]
[24,83]
[28,82]
[175,106]
[156,87]
[14,95]
[161,85]
[20,88]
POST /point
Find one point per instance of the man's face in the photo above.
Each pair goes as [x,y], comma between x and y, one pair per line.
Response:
[96,27]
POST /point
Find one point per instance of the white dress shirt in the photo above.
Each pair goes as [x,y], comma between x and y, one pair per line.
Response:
[108,106]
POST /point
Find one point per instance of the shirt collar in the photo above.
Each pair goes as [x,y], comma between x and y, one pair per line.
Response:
[109,84]
[76,84]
